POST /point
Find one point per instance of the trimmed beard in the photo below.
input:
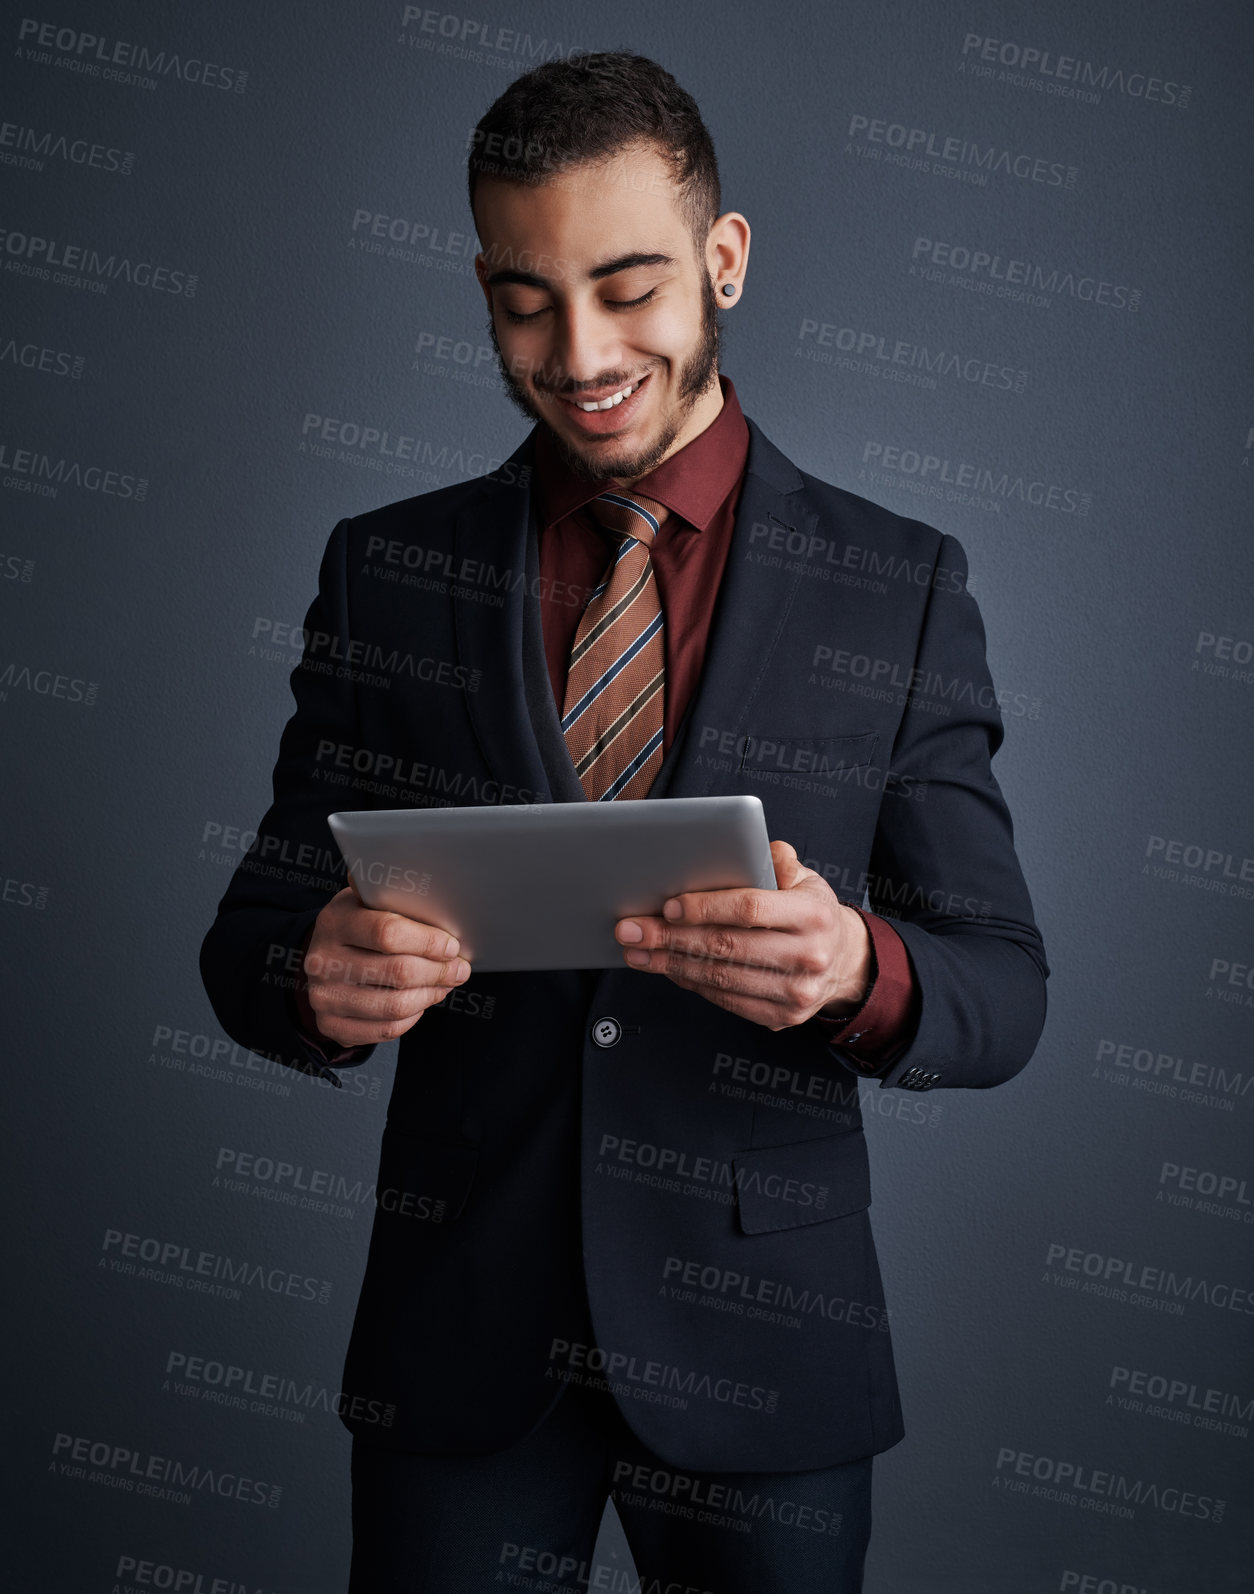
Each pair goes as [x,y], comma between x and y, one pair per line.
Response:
[699,371]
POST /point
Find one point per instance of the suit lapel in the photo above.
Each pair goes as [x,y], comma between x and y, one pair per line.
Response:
[494,529]
[515,716]
[563,783]
[750,615]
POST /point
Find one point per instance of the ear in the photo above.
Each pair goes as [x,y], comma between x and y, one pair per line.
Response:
[727,250]
[481,273]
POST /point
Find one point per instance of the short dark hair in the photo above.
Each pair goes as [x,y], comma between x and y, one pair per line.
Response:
[585,108]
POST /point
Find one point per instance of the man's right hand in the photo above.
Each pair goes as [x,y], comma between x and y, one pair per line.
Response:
[370,975]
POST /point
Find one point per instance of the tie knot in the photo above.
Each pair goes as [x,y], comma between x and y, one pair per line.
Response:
[629,514]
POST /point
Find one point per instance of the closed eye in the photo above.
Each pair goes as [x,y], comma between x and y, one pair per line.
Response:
[612,304]
[631,304]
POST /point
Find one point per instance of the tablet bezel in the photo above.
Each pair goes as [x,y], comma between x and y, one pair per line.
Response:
[586,865]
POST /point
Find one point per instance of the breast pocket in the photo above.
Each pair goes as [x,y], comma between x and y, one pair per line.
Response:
[806,1181]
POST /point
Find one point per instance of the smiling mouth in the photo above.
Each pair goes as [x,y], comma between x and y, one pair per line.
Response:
[611,400]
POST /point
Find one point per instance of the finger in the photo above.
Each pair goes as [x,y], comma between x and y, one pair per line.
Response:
[746,906]
[405,973]
[373,930]
[768,1012]
[373,1004]
[775,950]
[789,868]
[351,966]
[744,914]
[787,980]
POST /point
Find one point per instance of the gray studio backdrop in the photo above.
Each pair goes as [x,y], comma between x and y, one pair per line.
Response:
[999,281]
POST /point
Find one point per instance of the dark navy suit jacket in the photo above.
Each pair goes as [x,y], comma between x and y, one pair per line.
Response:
[677,1200]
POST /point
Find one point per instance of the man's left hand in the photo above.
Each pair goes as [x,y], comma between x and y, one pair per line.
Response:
[775,957]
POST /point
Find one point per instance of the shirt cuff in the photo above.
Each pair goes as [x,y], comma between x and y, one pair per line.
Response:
[876,1034]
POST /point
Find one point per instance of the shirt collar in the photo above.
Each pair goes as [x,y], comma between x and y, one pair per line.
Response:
[692,483]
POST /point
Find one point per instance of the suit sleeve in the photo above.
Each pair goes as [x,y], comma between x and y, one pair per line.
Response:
[943,864]
[250,959]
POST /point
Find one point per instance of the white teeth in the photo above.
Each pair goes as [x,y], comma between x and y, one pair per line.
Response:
[609,403]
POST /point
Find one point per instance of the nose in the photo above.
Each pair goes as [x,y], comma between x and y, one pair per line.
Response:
[588,344]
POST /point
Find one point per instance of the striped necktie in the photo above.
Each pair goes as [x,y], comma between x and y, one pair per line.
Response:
[612,713]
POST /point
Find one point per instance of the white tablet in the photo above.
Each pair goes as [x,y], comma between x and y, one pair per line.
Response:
[541,885]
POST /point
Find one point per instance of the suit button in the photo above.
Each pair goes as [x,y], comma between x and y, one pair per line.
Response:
[605,1031]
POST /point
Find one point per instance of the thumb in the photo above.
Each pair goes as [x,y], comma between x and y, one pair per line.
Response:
[789,869]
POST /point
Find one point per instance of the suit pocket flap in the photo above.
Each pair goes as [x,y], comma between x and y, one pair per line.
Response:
[806,1181]
[804,754]
[424,1179]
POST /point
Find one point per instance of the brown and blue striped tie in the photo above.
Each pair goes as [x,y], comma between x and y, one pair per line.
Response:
[615,683]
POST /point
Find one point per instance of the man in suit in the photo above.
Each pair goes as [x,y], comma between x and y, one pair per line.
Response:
[622,1242]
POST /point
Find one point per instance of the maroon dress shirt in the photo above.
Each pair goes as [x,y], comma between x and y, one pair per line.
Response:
[700,484]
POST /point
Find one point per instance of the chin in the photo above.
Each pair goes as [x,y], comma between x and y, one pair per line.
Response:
[612,458]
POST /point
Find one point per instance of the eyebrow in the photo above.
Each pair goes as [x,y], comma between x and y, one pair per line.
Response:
[609,268]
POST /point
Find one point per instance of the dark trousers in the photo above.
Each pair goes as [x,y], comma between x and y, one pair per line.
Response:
[527,1518]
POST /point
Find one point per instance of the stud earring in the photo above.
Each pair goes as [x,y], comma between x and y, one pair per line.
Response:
[729,288]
